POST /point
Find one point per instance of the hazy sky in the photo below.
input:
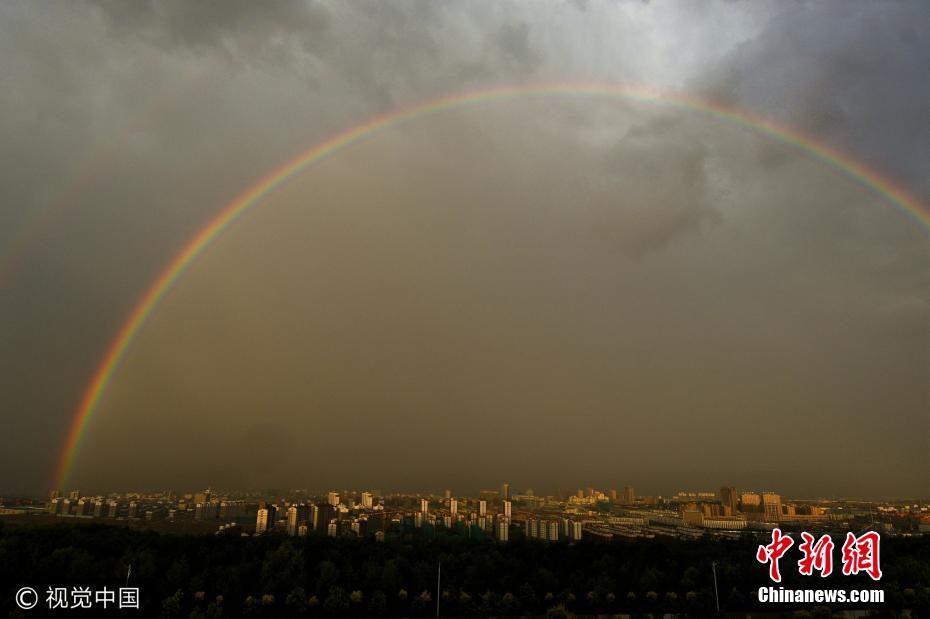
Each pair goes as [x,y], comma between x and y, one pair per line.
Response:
[555,292]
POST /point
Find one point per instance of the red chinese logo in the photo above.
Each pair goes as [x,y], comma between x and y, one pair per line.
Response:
[860,554]
[817,556]
[773,552]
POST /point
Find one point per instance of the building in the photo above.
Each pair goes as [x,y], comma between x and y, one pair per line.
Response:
[503,530]
[727,524]
[367,500]
[482,507]
[729,498]
[694,517]
[292,520]
[576,530]
[505,492]
[453,506]
[750,502]
[333,498]
[206,511]
[553,530]
[629,495]
[507,510]
[771,506]
[54,506]
[532,528]
[424,506]
[264,519]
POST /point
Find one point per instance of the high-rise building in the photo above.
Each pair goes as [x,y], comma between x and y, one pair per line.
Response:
[264,519]
[482,507]
[333,498]
[453,506]
[505,492]
[750,502]
[771,505]
[326,513]
[575,531]
[629,495]
[728,497]
[54,506]
[553,535]
[507,510]
[503,529]
[367,500]
[532,528]
[424,506]
[292,520]
[447,494]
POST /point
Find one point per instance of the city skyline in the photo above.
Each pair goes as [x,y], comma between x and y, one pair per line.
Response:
[610,242]
[493,514]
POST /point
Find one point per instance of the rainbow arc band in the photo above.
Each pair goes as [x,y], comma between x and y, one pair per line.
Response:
[856,170]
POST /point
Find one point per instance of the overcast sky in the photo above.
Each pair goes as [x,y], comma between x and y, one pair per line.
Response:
[555,292]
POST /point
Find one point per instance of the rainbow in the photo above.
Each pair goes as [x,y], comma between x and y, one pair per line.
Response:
[90,401]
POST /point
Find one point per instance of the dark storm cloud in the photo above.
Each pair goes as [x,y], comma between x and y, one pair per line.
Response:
[640,215]
[856,78]
[476,280]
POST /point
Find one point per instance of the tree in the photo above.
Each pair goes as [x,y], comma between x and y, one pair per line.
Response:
[336,602]
[690,578]
[558,612]
[215,611]
[377,605]
[171,605]
[282,569]
[527,597]
[327,575]
[296,601]
[507,604]
[422,601]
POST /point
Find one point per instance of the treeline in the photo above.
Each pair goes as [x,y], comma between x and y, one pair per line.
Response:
[275,576]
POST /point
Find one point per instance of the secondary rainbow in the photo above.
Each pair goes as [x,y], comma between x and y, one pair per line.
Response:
[894,196]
